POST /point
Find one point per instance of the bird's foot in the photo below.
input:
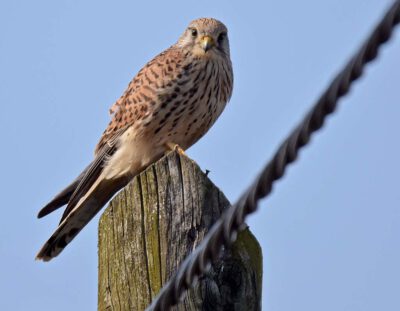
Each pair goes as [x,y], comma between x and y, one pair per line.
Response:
[175,147]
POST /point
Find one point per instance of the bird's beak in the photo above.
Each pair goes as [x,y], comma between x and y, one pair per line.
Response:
[207,43]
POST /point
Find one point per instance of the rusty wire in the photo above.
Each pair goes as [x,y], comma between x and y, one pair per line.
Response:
[224,231]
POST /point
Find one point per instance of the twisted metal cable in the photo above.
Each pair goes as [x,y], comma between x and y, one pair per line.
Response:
[224,231]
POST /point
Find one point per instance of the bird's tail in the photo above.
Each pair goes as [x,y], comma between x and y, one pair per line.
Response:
[85,209]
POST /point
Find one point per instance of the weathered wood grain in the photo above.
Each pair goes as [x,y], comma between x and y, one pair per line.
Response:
[153,224]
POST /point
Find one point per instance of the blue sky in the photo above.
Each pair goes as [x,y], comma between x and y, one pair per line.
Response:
[330,231]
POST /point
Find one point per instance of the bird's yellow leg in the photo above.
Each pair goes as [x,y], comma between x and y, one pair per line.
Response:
[175,147]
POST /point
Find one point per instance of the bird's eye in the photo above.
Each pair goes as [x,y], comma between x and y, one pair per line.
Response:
[194,32]
[221,37]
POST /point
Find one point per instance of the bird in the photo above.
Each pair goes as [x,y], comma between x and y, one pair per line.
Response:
[169,105]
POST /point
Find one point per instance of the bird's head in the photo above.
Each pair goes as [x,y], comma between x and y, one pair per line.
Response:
[206,37]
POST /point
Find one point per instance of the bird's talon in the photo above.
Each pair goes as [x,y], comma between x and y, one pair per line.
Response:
[180,150]
[175,147]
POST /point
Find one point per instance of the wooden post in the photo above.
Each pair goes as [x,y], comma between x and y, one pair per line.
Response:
[153,224]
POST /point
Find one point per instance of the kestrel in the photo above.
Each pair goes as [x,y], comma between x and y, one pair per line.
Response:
[172,101]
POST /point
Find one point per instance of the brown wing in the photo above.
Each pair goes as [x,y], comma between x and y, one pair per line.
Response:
[144,92]
[63,197]
[91,174]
